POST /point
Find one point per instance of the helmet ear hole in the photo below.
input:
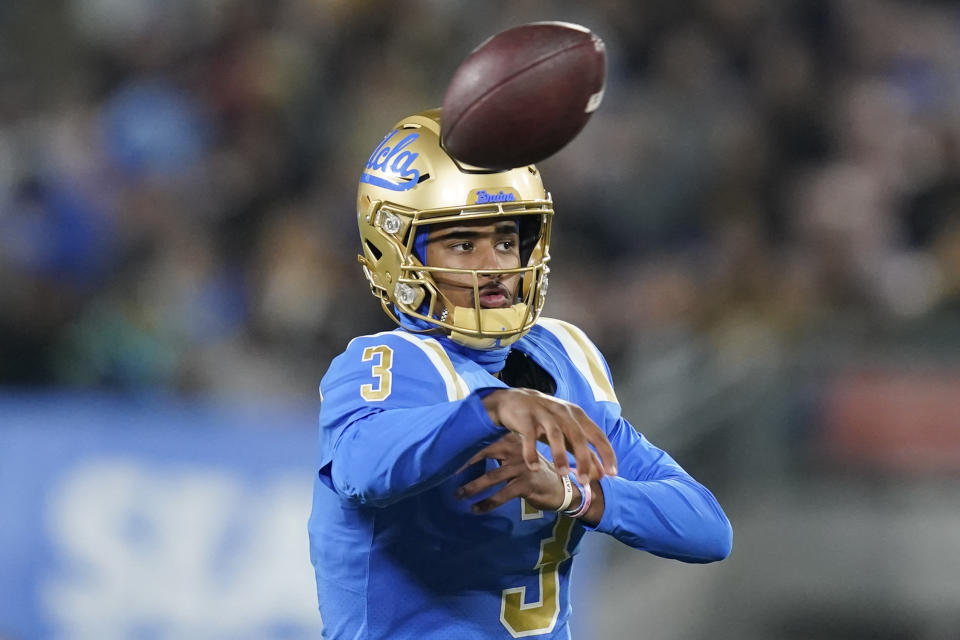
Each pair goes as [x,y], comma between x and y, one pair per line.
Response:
[373,251]
[530,230]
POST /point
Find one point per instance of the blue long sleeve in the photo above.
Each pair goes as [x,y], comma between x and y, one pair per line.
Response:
[656,506]
[389,455]
[396,420]
[390,431]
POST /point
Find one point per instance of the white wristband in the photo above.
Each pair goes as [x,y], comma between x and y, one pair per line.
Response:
[567,494]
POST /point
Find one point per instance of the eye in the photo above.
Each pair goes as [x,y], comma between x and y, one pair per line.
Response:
[463,246]
[507,244]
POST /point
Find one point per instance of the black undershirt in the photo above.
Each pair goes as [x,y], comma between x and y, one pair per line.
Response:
[521,371]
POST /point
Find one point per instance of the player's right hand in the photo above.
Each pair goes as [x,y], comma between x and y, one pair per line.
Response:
[561,424]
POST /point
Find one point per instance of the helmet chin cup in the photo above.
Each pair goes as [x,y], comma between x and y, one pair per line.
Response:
[478,328]
[410,182]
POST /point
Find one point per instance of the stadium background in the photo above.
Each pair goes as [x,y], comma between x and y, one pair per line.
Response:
[760,228]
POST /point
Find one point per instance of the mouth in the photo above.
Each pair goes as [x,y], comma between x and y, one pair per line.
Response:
[495,296]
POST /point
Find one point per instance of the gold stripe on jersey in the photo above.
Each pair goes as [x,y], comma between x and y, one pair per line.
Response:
[462,391]
[457,388]
[584,355]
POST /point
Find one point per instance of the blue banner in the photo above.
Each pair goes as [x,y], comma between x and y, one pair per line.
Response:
[151,518]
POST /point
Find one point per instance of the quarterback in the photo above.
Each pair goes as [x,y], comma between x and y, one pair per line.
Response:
[464,454]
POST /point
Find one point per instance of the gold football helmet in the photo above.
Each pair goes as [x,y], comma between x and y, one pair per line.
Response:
[411,182]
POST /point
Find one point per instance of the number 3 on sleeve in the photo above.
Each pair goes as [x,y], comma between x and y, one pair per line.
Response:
[381,371]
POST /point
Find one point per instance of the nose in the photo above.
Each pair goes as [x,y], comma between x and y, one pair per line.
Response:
[489,258]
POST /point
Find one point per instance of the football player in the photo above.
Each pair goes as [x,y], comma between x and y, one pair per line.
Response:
[464,454]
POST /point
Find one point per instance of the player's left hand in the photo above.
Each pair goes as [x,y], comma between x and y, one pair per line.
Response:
[542,488]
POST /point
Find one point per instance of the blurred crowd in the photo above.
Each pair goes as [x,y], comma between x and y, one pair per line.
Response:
[177,177]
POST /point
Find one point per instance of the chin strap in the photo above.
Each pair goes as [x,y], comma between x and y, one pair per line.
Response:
[491,321]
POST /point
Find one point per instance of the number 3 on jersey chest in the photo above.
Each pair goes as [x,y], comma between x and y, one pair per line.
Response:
[523,619]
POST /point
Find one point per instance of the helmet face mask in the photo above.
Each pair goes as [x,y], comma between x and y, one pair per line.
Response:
[410,184]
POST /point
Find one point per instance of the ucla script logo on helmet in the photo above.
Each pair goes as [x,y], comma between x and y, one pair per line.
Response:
[391,166]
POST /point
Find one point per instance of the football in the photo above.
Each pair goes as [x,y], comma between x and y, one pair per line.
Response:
[522,95]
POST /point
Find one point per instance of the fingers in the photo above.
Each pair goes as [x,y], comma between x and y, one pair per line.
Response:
[596,460]
[562,425]
[515,412]
[572,423]
[513,490]
[489,479]
[558,450]
[598,439]
[577,443]
[583,432]
[483,454]
[530,455]
[501,450]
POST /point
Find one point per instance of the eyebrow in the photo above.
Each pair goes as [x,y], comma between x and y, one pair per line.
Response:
[467,233]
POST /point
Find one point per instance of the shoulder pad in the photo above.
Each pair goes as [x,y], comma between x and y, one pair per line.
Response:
[585,357]
[413,358]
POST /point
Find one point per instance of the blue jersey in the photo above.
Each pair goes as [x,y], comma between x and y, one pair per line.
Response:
[398,556]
